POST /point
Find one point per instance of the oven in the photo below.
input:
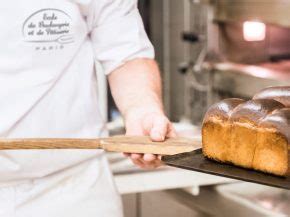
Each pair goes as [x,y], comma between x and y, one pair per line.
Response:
[244,46]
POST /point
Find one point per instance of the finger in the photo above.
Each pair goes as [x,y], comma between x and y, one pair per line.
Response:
[136,156]
[149,157]
[126,154]
[159,158]
[153,163]
[159,129]
[146,164]
[171,132]
[158,161]
[138,163]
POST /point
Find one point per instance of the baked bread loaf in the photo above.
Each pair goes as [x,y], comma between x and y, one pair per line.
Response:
[252,134]
[280,94]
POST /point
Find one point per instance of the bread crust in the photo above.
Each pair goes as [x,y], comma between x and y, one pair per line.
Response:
[216,128]
[280,94]
[252,134]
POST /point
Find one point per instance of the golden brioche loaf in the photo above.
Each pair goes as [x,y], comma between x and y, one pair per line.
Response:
[280,94]
[252,134]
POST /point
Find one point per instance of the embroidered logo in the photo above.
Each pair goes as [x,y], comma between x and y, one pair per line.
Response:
[48,29]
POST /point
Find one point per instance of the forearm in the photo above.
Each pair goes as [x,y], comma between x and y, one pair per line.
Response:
[137,86]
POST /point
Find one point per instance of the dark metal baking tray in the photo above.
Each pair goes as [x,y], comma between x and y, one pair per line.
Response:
[197,162]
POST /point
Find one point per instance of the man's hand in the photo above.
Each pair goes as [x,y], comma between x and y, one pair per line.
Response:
[136,88]
[141,122]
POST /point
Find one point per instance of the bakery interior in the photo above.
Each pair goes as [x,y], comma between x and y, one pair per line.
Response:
[207,50]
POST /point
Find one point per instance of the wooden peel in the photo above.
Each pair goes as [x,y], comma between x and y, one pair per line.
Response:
[129,144]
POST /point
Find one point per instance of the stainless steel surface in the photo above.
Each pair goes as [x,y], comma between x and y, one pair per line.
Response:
[174,17]
[165,35]
[265,200]
[246,80]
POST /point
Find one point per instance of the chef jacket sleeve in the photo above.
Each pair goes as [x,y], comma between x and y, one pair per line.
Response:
[117,33]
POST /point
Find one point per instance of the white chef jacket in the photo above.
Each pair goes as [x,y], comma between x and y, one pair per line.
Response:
[48,89]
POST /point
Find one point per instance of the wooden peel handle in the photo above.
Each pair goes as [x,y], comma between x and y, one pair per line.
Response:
[129,144]
[18,144]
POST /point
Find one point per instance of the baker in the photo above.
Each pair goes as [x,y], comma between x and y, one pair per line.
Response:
[48,89]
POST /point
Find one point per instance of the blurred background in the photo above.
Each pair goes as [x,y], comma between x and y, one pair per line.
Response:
[207,50]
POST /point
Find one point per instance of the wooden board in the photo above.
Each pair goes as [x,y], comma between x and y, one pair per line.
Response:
[129,144]
[144,145]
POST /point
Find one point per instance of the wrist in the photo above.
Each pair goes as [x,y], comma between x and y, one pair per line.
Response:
[139,111]
[144,105]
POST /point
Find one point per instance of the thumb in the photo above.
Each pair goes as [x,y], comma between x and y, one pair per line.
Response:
[159,129]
